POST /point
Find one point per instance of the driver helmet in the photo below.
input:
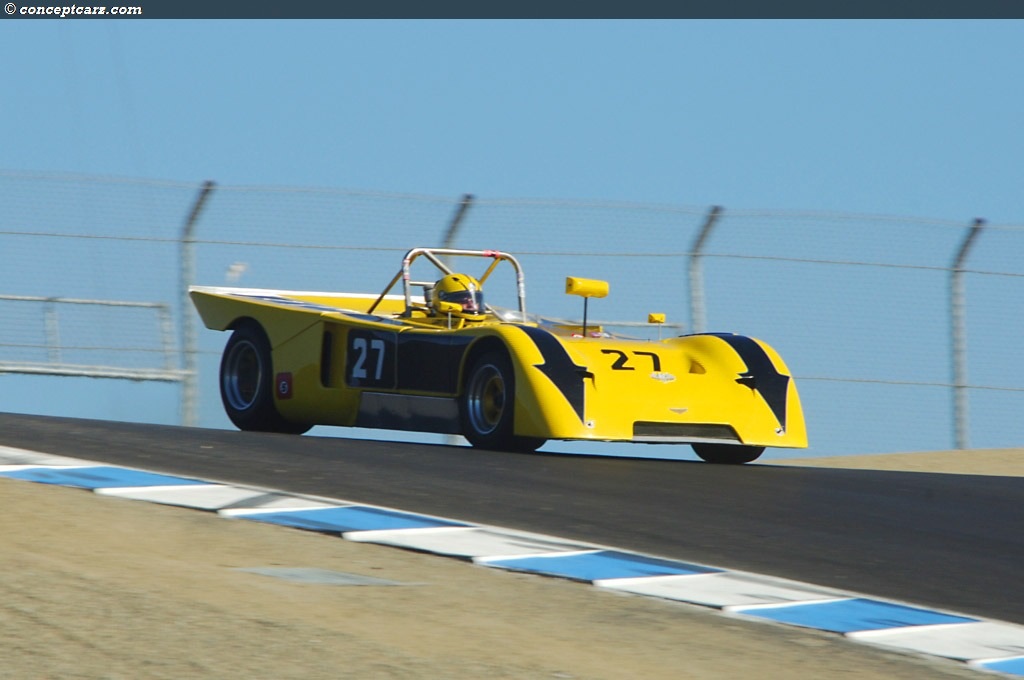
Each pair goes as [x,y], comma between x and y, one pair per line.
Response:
[462,289]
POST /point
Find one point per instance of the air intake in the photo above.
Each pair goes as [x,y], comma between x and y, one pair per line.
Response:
[684,432]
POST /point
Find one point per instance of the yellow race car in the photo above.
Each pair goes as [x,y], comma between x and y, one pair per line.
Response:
[434,356]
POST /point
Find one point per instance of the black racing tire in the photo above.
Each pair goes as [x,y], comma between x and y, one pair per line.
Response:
[727,454]
[487,405]
[246,383]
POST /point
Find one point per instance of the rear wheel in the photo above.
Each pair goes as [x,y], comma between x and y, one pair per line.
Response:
[487,406]
[246,383]
[727,454]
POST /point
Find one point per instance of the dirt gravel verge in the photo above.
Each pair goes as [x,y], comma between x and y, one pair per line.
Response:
[998,462]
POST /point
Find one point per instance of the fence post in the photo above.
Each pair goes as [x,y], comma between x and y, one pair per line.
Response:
[957,303]
[449,242]
[453,226]
[190,384]
[52,331]
[697,316]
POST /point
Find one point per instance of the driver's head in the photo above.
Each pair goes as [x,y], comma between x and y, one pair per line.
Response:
[462,289]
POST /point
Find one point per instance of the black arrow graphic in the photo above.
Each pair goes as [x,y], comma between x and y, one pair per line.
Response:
[761,374]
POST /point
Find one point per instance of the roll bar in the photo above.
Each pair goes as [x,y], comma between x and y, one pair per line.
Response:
[434,255]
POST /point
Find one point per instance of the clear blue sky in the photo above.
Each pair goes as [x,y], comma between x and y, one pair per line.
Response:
[915,118]
[907,118]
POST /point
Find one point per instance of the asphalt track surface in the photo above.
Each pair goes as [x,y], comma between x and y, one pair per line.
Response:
[948,541]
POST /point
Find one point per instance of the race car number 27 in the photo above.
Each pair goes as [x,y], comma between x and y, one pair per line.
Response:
[363,349]
[623,362]
[370,357]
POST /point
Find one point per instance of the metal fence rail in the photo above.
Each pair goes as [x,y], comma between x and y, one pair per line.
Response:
[91,349]
[899,330]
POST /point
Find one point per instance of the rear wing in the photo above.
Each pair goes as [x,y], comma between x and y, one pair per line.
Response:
[219,307]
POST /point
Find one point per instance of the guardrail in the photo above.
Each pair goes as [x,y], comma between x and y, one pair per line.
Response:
[56,347]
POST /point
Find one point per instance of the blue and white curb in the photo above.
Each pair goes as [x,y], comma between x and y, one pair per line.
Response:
[981,644]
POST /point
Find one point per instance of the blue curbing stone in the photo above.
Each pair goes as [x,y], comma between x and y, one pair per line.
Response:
[99,477]
[349,518]
[598,565]
[855,614]
[1009,666]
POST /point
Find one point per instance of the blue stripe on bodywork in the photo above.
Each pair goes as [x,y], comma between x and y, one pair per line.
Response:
[317,307]
[559,367]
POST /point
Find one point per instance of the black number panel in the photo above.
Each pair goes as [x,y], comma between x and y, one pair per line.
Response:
[370,361]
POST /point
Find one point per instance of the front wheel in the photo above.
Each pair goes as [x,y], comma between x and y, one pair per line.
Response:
[727,454]
[487,406]
[246,383]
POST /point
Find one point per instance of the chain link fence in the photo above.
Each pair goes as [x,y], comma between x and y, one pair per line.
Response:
[865,309]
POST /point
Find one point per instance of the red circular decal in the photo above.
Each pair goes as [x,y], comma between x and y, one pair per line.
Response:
[284,385]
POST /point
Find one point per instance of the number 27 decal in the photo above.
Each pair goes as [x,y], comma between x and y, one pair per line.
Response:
[622,361]
[370,360]
[363,349]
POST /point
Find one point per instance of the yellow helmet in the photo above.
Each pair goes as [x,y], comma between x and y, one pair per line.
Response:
[462,289]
